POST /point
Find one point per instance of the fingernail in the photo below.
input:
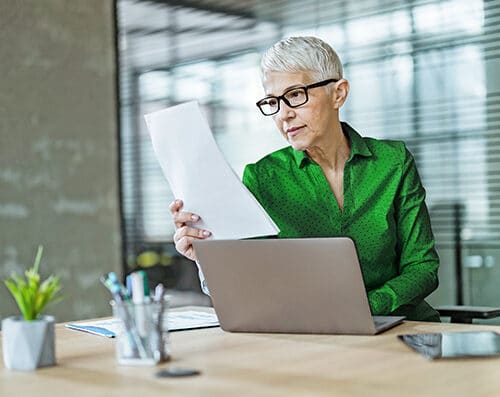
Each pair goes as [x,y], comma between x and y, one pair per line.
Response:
[206,233]
[195,217]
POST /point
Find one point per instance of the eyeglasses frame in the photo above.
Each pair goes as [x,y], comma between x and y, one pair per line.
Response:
[282,97]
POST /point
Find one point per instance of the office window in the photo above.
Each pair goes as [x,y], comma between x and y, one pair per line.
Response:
[426,72]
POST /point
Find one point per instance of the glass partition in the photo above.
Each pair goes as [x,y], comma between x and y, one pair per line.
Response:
[426,72]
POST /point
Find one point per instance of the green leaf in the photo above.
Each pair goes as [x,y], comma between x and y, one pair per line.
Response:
[38,258]
[31,296]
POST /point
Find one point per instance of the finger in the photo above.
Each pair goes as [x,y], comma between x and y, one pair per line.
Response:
[175,205]
[185,247]
[181,217]
[191,254]
[188,231]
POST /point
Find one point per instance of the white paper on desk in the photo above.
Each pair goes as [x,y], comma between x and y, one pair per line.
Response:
[176,321]
[199,175]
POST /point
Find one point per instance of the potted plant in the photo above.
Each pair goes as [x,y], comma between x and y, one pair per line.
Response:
[28,340]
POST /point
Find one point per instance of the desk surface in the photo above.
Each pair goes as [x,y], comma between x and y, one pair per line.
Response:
[235,364]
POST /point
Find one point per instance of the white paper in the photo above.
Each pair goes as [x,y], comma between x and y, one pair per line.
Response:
[177,321]
[199,175]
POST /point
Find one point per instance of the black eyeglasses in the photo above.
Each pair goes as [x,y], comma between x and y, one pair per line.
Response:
[294,97]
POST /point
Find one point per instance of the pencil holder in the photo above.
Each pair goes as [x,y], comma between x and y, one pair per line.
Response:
[142,338]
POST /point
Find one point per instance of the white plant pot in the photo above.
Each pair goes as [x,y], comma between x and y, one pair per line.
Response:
[28,345]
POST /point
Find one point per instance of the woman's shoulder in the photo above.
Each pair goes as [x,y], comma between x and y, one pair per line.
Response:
[380,148]
[387,148]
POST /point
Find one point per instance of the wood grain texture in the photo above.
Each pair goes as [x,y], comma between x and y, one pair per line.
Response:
[238,364]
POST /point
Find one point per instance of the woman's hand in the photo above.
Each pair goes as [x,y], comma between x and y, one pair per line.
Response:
[184,234]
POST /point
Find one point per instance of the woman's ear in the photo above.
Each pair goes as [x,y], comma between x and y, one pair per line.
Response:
[340,89]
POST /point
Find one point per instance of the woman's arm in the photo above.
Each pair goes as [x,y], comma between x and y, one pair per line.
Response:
[419,262]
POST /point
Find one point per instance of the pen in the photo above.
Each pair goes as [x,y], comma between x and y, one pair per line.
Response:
[94,330]
[120,297]
[128,284]
[138,298]
[159,293]
[114,280]
[145,282]
[159,298]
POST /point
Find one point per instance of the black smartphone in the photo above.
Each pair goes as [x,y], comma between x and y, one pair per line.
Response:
[454,344]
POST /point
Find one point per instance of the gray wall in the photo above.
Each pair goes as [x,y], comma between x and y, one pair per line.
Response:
[58,148]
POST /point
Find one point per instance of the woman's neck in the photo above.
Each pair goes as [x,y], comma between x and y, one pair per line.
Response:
[333,152]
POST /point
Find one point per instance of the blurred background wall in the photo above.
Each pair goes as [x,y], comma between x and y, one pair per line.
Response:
[59,179]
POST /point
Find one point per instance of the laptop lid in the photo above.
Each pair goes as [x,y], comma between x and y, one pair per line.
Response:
[311,285]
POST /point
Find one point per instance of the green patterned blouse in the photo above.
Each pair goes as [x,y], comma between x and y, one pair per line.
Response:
[384,213]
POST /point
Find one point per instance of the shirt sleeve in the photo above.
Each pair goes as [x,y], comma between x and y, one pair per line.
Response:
[250,180]
[419,261]
[203,283]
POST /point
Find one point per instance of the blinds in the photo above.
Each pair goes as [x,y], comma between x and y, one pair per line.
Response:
[426,72]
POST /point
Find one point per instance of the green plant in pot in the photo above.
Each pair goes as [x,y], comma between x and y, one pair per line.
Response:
[28,341]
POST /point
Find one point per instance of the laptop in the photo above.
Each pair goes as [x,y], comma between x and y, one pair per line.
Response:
[310,285]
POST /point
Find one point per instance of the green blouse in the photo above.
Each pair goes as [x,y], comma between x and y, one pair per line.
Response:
[384,213]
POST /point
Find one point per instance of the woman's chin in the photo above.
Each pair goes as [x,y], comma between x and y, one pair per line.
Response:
[297,144]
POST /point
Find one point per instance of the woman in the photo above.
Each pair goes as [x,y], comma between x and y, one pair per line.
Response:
[331,181]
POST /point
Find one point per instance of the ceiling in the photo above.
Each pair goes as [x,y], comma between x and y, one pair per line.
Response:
[156,34]
[162,33]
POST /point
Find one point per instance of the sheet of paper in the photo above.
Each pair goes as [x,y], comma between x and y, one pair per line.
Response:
[177,321]
[199,175]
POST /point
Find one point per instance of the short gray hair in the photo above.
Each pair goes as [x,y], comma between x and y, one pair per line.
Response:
[302,54]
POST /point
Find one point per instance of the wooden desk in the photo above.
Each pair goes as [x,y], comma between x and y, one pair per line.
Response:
[262,365]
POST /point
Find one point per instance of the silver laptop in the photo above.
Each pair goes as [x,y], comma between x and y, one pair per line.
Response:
[311,285]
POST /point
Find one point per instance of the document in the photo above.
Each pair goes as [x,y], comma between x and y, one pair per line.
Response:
[177,321]
[199,175]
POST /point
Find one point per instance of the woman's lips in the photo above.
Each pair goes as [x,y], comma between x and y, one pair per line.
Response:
[292,131]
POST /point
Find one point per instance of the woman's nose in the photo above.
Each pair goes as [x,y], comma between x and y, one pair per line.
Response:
[285,112]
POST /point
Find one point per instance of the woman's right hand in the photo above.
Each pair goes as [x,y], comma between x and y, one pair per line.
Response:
[184,234]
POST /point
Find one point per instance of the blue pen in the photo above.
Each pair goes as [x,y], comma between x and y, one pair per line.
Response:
[128,284]
[123,291]
[96,330]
